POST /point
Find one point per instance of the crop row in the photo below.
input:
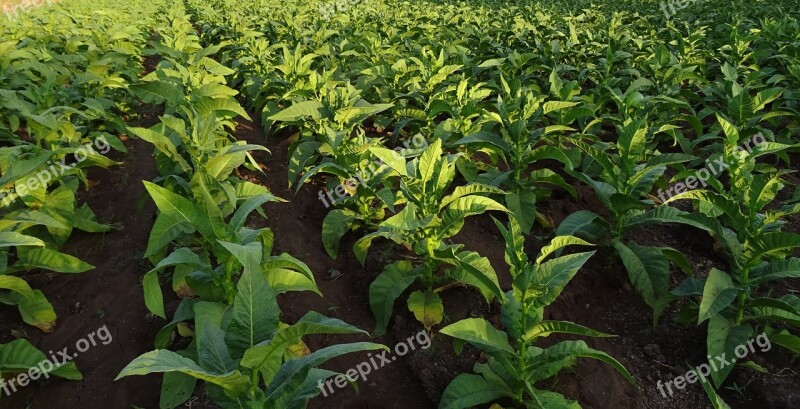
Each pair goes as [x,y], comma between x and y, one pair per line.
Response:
[64,99]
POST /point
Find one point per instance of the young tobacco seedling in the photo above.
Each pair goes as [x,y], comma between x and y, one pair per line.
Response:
[199,227]
[515,364]
[518,140]
[360,192]
[326,124]
[429,218]
[237,347]
[622,184]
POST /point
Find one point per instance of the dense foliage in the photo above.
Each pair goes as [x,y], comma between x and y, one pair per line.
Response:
[420,115]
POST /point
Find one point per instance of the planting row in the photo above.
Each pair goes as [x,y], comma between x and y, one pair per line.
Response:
[65,77]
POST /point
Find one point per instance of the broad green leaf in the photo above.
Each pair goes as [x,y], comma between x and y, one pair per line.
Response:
[14,239]
[37,311]
[336,223]
[153,297]
[558,243]
[290,378]
[467,391]
[47,259]
[158,91]
[480,333]
[267,357]
[299,110]
[16,284]
[648,270]
[582,223]
[19,356]
[176,389]
[163,361]
[286,273]
[427,308]
[723,338]
[391,158]
[255,308]
[547,328]
[386,288]
[775,270]
[718,293]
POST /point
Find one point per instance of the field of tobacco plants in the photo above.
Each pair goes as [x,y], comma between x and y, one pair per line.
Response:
[400,204]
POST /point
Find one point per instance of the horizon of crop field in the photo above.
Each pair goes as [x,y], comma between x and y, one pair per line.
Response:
[10,5]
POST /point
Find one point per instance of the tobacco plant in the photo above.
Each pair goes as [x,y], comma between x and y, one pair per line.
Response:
[429,218]
[515,365]
[623,181]
[359,192]
[242,351]
[521,141]
[747,226]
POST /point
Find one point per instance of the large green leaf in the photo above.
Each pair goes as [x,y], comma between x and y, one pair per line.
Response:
[547,328]
[723,338]
[584,224]
[164,361]
[176,389]
[648,270]
[16,284]
[255,308]
[37,311]
[467,190]
[718,293]
[386,288]
[286,273]
[14,239]
[19,356]
[267,357]
[523,207]
[775,270]
[172,203]
[552,359]
[158,91]
[427,308]
[153,297]
[467,391]
[480,333]
[290,378]
[552,276]
[429,160]
[48,259]
[167,228]
[559,242]
[336,223]
[240,216]
[299,110]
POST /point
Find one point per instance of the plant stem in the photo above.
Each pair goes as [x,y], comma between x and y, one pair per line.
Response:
[742,296]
